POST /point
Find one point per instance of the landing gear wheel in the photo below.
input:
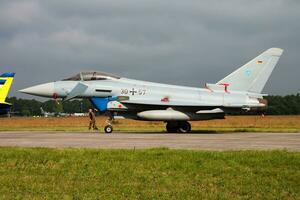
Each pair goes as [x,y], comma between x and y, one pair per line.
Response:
[108,129]
[184,127]
[171,127]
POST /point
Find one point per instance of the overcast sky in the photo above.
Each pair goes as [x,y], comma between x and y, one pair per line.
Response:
[177,42]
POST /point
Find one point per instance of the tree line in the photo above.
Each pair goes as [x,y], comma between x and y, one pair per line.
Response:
[277,105]
[283,105]
[26,107]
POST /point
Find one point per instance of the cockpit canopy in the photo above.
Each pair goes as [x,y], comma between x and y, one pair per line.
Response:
[91,76]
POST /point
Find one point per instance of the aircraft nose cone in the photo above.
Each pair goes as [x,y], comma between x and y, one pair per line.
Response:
[44,90]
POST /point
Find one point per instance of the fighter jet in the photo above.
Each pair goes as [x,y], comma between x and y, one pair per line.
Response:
[121,97]
[6,80]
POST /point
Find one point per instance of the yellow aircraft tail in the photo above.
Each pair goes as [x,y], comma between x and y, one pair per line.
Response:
[6,80]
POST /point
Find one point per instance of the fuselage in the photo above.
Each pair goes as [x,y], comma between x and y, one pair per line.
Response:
[150,93]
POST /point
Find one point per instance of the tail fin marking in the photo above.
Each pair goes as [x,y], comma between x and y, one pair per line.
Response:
[253,76]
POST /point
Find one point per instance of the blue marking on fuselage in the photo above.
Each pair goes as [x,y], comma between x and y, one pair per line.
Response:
[2,82]
[100,103]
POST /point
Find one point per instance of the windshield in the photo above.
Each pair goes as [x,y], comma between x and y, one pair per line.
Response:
[91,76]
[73,78]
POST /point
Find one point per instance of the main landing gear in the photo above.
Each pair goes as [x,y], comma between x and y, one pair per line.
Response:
[178,126]
[171,126]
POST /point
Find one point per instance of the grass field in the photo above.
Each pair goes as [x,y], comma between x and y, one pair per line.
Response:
[230,124]
[148,174]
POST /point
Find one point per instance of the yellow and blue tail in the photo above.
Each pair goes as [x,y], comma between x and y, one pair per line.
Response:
[6,80]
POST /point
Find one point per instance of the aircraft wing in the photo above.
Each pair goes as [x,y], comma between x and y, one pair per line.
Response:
[187,103]
[171,103]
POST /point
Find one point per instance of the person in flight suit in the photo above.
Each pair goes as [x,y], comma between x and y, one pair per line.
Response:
[92,115]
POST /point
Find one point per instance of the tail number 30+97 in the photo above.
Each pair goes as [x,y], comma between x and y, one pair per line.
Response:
[133,91]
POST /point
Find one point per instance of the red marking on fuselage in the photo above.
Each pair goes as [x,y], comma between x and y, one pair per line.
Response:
[165,99]
[55,95]
[226,86]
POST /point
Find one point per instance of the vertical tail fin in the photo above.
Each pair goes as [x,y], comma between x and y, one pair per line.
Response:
[6,80]
[253,75]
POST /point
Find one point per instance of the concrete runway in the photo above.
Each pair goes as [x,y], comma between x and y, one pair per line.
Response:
[222,141]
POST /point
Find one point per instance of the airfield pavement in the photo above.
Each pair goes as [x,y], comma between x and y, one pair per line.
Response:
[211,141]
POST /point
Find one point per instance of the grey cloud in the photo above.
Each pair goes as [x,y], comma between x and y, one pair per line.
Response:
[178,42]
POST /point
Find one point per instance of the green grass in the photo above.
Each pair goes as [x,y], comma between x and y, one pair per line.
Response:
[148,174]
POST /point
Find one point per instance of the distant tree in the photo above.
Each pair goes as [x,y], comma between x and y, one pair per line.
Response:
[76,106]
[58,107]
[48,105]
[284,105]
[24,106]
[25,112]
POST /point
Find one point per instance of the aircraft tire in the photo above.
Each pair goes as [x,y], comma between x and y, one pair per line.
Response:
[108,129]
[172,127]
[184,127]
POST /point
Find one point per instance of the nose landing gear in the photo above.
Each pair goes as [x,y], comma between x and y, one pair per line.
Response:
[109,128]
[178,126]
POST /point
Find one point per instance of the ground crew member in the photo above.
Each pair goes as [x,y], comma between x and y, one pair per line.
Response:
[92,116]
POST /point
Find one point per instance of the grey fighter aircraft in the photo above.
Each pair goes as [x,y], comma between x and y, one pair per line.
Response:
[176,105]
